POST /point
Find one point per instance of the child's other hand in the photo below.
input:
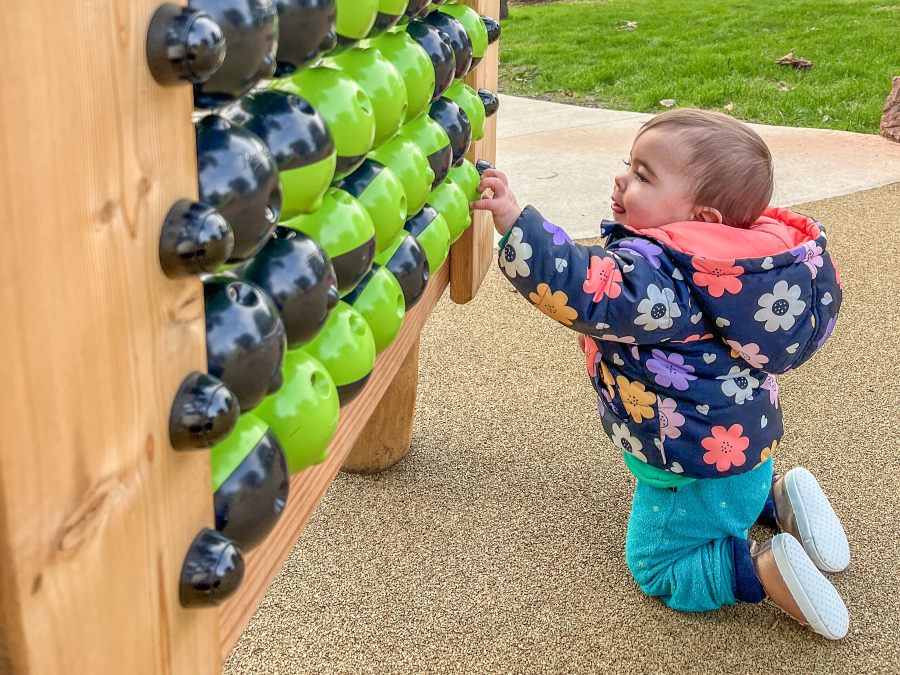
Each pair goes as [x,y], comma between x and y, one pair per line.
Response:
[502,205]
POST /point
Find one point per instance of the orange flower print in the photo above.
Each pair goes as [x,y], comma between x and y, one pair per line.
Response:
[693,338]
[725,448]
[607,378]
[603,278]
[766,453]
[554,305]
[590,355]
[637,401]
[717,276]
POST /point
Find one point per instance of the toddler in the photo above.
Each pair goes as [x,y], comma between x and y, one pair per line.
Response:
[702,295]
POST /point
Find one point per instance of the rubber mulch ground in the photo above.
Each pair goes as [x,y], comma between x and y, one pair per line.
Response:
[497,545]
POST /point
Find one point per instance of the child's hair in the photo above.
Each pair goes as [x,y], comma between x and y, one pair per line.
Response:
[729,165]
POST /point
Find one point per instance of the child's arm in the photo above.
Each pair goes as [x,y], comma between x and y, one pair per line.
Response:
[622,294]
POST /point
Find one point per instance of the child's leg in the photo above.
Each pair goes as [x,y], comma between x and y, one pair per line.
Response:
[689,547]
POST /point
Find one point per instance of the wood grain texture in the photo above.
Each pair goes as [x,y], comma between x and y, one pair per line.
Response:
[96,509]
[309,486]
[471,255]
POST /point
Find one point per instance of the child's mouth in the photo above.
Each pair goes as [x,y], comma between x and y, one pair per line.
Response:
[616,208]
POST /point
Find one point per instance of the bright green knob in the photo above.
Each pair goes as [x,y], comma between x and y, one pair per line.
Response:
[345,107]
[466,178]
[379,299]
[469,100]
[431,231]
[381,193]
[450,201]
[410,165]
[304,412]
[383,85]
[354,20]
[346,347]
[414,66]
[434,142]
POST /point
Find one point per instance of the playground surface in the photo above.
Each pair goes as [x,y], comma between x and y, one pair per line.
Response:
[497,545]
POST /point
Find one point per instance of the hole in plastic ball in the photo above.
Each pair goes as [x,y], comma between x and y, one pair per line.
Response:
[242,294]
[319,384]
[358,325]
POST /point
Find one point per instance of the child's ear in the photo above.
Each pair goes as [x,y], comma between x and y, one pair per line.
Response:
[707,214]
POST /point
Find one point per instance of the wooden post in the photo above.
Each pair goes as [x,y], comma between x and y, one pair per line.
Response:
[386,438]
[471,255]
[96,509]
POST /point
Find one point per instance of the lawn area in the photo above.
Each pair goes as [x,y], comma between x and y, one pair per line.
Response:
[710,54]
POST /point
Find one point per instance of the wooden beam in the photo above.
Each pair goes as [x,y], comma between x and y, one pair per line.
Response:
[472,254]
[309,486]
[96,509]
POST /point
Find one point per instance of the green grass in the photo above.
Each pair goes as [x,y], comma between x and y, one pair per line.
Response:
[708,54]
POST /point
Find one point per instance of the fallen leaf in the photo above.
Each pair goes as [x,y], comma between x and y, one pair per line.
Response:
[765,30]
[772,627]
[667,102]
[729,107]
[796,62]
[630,25]
[782,86]
[826,118]
[814,28]
[570,93]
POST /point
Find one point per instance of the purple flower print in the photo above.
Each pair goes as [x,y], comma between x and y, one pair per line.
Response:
[771,385]
[559,235]
[669,420]
[645,249]
[810,254]
[670,370]
[828,329]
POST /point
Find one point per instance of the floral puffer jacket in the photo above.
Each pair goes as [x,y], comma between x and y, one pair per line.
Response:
[683,350]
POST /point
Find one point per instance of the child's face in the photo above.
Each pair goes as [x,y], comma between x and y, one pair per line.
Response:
[654,189]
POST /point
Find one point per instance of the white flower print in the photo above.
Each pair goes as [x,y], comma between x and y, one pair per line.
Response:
[780,307]
[625,442]
[514,255]
[658,309]
[739,383]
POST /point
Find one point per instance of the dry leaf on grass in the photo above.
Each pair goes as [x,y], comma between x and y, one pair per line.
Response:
[630,25]
[570,93]
[826,118]
[782,86]
[667,102]
[729,107]
[795,61]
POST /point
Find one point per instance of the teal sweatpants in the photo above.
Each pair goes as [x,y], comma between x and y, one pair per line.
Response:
[679,546]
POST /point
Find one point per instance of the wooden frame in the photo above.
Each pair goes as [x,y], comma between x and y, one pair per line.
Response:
[96,509]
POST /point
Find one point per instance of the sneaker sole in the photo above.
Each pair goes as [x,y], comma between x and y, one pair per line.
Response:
[822,535]
[820,603]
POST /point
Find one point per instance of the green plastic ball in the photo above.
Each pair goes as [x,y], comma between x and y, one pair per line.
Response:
[389,14]
[434,142]
[354,20]
[469,100]
[381,193]
[431,231]
[414,66]
[383,85]
[410,165]
[466,178]
[226,456]
[346,348]
[379,299]
[450,201]
[304,413]
[345,107]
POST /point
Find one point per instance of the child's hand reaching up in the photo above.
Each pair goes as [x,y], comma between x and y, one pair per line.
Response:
[502,205]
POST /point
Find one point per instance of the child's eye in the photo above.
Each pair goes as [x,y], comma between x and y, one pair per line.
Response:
[640,177]
[626,162]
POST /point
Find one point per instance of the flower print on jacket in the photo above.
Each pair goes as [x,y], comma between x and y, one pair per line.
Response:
[725,448]
[636,399]
[658,309]
[670,370]
[718,276]
[625,442]
[766,453]
[591,355]
[810,254]
[608,380]
[749,352]
[514,255]
[625,339]
[780,307]
[559,235]
[670,422]
[647,250]
[603,278]
[828,331]
[554,305]
[739,383]
[771,385]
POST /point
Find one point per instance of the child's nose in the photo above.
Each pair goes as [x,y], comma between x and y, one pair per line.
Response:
[621,181]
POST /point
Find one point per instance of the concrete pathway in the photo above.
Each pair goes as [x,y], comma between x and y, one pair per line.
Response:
[563,159]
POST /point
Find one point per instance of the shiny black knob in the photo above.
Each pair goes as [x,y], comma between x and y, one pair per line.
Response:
[203,414]
[438,49]
[297,274]
[245,339]
[213,570]
[493,29]
[305,31]
[414,10]
[491,102]
[458,38]
[455,123]
[195,238]
[183,45]
[483,165]
[409,265]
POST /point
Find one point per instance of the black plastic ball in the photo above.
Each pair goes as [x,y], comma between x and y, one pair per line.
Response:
[438,49]
[458,38]
[455,123]
[305,32]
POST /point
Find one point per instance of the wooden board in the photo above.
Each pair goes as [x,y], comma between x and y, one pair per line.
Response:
[309,486]
[472,254]
[96,509]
